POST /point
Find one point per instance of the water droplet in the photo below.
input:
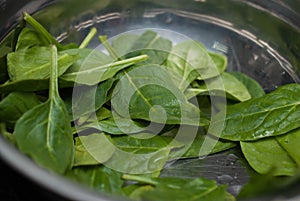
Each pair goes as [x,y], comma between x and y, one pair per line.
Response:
[235,189]
[168,20]
[225,178]
[232,157]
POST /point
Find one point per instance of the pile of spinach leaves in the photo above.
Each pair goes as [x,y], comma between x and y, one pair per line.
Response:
[39,114]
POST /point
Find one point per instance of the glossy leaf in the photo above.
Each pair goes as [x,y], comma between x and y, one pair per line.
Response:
[31,85]
[190,60]
[150,43]
[98,67]
[148,89]
[203,145]
[122,44]
[217,86]
[273,114]
[29,38]
[254,88]
[85,99]
[46,127]
[267,186]
[21,67]
[198,189]
[45,34]
[92,150]
[141,153]
[118,125]
[267,155]
[290,143]
[98,178]
[15,104]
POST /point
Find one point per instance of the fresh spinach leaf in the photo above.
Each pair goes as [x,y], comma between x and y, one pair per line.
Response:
[267,155]
[158,95]
[118,125]
[29,38]
[273,114]
[21,67]
[233,87]
[46,127]
[46,36]
[98,67]
[190,60]
[181,189]
[150,43]
[290,143]
[84,99]
[98,178]
[267,186]
[144,153]
[122,44]
[203,145]
[254,88]
[92,150]
[15,104]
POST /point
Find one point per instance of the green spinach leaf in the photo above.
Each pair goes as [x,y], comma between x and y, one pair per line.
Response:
[270,115]
[190,60]
[149,89]
[92,150]
[21,66]
[98,178]
[267,155]
[15,104]
[181,189]
[254,88]
[233,87]
[46,127]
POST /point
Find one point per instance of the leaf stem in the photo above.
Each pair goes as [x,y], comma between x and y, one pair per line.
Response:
[109,48]
[38,27]
[53,88]
[88,38]
[146,180]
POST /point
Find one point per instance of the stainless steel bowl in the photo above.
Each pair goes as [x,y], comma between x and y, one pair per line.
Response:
[260,38]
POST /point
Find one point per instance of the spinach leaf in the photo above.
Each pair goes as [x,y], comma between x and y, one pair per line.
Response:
[122,44]
[149,89]
[46,36]
[15,104]
[267,155]
[290,143]
[99,178]
[203,145]
[233,87]
[119,125]
[143,153]
[30,85]
[4,50]
[181,189]
[135,192]
[85,99]
[190,60]
[98,67]
[29,38]
[267,186]
[22,67]
[92,150]
[46,127]
[254,88]
[270,115]
[150,43]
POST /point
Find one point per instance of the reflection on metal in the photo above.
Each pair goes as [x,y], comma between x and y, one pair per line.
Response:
[220,47]
[97,19]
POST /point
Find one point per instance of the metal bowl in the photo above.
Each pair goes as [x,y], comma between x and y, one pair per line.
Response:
[260,38]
